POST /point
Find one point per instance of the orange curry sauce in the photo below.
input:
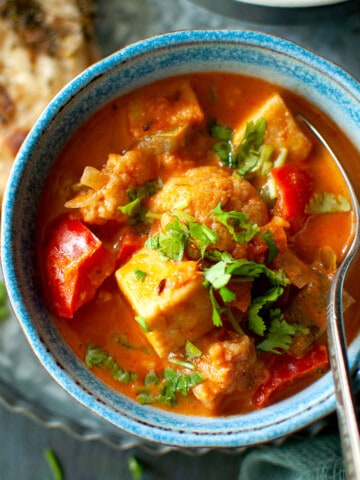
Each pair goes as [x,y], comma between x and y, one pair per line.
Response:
[107,321]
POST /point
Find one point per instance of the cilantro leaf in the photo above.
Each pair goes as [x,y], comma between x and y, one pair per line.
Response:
[134,209]
[97,357]
[238,224]
[217,310]
[247,153]
[191,351]
[221,132]
[227,295]
[182,363]
[228,269]
[143,325]
[281,333]
[175,382]
[223,149]
[223,146]
[172,243]
[140,274]
[268,238]
[135,468]
[54,464]
[179,235]
[251,156]
[202,236]
[256,322]
[216,275]
[145,190]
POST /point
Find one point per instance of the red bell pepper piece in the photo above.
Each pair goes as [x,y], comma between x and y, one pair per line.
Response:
[285,370]
[77,263]
[294,186]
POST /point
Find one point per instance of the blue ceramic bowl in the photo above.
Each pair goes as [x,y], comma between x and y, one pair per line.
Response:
[246,52]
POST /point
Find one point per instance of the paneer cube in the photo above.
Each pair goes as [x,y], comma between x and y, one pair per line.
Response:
[282,130]
[176,107]
[170,298]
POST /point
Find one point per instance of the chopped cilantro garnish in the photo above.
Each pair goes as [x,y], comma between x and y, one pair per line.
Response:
[168,387]
[172,243]
[145,190]
[268,238]
[134,209]
[176,382]
[123,340]
[251,156]
[327,202]
[151,378]
[182,363]
[221,132]
[281,333]
[142,322]
[202,236]
[217,310]
[140,274]
[223,150]
[191,351]
[217,275]
[96,357]
[256,322]
[223,147]
[227,295]
[145,398]
[247,153]
[228,269]
[179,235]
[237,223]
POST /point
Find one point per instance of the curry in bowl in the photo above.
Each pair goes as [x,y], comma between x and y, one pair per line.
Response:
[188,234]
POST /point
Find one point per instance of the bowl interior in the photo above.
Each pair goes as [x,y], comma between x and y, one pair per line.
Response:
[250,53]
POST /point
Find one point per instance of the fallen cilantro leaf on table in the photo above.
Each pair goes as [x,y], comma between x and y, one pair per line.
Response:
[54,465]
[4,308]
[136,468]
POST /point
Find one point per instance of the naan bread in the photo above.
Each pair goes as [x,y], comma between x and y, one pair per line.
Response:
[43,45]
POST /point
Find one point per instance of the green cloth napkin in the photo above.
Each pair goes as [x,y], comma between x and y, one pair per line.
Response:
[317,458]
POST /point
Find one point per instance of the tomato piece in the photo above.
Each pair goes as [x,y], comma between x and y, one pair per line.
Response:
[77,263]
[285,370]
[294,186]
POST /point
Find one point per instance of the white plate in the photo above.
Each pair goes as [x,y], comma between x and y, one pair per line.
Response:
[292,3]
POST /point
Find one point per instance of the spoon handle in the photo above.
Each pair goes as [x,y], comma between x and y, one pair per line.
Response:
[348,424]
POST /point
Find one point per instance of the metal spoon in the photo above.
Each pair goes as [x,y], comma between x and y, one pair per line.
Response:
[348,425]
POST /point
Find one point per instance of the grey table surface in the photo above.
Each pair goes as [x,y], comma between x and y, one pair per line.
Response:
[23,438]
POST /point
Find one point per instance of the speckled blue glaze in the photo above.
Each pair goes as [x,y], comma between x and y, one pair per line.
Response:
[248,52]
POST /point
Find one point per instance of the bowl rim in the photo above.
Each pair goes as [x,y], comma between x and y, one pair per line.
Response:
[150,424]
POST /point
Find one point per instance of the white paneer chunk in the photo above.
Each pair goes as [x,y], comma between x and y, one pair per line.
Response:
[282,131]
[176,107]
[169,297]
